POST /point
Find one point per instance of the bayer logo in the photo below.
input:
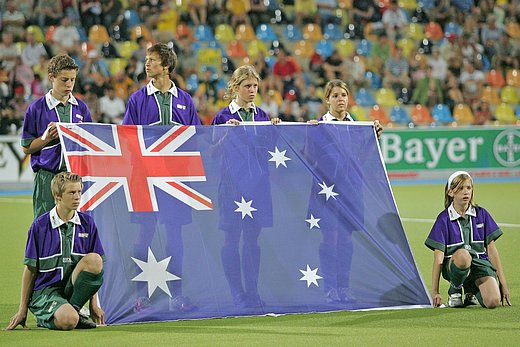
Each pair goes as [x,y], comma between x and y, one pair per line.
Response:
[507,148]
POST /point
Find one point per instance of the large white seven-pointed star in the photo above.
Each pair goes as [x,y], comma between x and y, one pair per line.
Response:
[245,208]
[310,276]
[155,273]
[279,157]
[327,191]
[313,222]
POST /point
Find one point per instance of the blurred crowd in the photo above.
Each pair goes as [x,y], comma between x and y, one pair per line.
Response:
[407,62]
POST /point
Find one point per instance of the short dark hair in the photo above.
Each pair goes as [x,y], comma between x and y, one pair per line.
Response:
[166,53]
[61,62]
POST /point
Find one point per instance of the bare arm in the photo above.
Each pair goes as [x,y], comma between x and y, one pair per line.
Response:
[438,258]
[96,312]
[28,278]
[495,260]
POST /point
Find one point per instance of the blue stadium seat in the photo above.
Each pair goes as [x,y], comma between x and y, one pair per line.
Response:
[265,32]
[374,79]
[333,32]
[364,47]
[192,83]
[292,33]
[452,29]
[132,18]
[364,98]
[204,33]
[399,115]
[441,114]
[324,48]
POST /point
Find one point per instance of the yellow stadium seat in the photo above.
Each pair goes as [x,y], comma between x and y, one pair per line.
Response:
[224,33]
[490,95]
[359,113]
[245,33]
[386,97]
[346,47]
[140,31]
[463,114]
[304,48]
[513,29]
[98,34]
[408,5]
[127,48]
[513,77]
[37,32]
[508,94]
[167,21]
[312,32]
[255,47]
[504,114]
[117,65]
[415,31]
[407,45]
[211,57]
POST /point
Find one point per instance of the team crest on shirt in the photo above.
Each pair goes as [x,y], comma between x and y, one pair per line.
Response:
[82,234]
[480,225]
[80,117]
[67,260]
[182,107]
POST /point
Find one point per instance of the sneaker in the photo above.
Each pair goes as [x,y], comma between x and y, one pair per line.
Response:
[455,300]
[470,299]
[84,322]
[332,296]
[182,304]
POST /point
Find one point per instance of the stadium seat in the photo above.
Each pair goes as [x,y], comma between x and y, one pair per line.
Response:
[204,33]
[140,31]
[312,32]
[399,115]
[333,32]
[463,114]
[98,34]
[452,29]
[517,111]
[304,48]
[167,22]
[346,47]
[513,77]
[192,83]
[490,95]
[132,18]
[236,50]
[369,32]
[441,114]
[374,79]
[513,29]
[245,33]
[433,31]
[408,5]
[324,48]
[117,65]
[364,98]
[37,32]
[224,33]
[415,31]
[495,78]
[364,47]
[509,94]
[378,113]
[265,32]
[49,34]
[504,114]
[421,115]
[407,45]
[210,57]
[386,97]
[292,33]
[127,48]
[184,30]
[359,113]
[255,47]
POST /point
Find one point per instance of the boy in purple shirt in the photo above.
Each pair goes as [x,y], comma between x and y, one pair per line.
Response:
[40,136]
[63,263]
[463,240]
[160,102]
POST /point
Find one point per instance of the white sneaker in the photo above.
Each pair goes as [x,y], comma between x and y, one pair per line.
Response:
[455,300]
[470,299]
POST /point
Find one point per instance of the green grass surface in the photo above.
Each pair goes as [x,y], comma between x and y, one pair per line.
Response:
[419,327]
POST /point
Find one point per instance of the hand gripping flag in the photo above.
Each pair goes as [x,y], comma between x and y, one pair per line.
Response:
[202,222]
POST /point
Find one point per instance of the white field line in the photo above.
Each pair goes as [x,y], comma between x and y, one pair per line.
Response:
[431,221]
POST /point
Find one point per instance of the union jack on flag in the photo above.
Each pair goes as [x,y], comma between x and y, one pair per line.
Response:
[136,159]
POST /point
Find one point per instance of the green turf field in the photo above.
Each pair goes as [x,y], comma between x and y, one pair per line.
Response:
[418,206]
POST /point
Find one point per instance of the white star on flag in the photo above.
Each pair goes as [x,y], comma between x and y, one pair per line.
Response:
[155,273]
[245,208]
[310,276]
[279,157]
[313,222]
[327,191]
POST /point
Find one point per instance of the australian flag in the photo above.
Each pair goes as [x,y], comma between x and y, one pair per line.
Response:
[201,222]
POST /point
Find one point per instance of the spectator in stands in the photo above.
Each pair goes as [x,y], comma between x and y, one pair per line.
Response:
[395,21]
[23,75]
[454,94]
[305,10]
[92,100]
[490,34]
[428,91]
[470,47]
[259,13]
[33,51]
[356,70]
[483,114]
[380,52]
[112,107]
[112,12]
[334,67]
[49,13]
[198,11]
[438,65]
[90,13]
[66,37]
[13,20]
[38,88]
[365,11]
[507,53]
[9,123]
[8,51]
[95,64]
[285,71]
[441,12]
[472,81]
[326,12]
[239,10]
[396,72]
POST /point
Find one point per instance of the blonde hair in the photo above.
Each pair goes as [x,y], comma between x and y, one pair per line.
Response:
[456,185]
[61,179]
[334,83]
[241,74]
[59,63]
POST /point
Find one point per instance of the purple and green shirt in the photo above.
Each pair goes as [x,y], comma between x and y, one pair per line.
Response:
[232,112]
[148,106]
[38,116]
[55,247]
[447,234]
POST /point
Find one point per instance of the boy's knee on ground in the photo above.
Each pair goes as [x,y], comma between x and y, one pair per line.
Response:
[66,318]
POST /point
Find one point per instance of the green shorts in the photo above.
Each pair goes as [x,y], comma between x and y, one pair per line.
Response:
[43,200]
[46,301]
[479,268]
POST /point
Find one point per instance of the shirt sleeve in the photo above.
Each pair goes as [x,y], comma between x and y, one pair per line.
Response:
[437,237]
[31,250]
[129,117]
[492,230]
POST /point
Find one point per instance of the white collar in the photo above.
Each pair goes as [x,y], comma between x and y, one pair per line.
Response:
[56,221]
[234,107]
[454,215]
[151,89]
[52,102]
[329,117]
